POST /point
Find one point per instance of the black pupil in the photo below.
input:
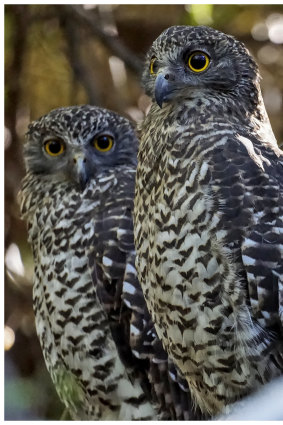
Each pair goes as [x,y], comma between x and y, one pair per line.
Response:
[103,142]
[54,146]
[198,61]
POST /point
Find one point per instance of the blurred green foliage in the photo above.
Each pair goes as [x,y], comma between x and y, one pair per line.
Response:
[58,55]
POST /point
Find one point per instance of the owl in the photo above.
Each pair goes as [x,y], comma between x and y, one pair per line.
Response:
[208,215]
[97,337]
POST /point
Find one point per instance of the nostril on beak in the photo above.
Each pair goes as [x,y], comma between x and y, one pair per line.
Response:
[75,161]
[169,77]
[84,160]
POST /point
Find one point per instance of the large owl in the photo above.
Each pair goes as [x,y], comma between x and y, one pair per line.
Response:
[208,215]
[96,334]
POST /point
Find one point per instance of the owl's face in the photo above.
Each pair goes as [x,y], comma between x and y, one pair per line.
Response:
[191,62]
[77,142]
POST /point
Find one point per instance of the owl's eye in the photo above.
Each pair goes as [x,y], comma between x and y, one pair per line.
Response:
[153,66]
[198,61]
[54,147]
[103,143]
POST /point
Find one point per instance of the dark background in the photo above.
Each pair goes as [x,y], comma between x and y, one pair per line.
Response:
[62,55]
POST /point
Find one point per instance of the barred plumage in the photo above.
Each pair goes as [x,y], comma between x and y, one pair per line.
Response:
[97,337]
[208,215]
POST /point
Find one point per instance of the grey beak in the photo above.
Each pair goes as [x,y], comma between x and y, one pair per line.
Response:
[163,88]
[80,170]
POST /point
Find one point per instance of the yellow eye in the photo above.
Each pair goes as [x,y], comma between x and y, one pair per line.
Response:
[103,143]
[54,147]
[198,61]
[153,66]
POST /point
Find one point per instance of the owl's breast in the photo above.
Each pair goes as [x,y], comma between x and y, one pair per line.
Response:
[193,288]
[72,325]
[183,266]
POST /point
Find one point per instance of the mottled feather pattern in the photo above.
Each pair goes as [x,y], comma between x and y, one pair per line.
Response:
[123,300]
[82,358]
[208,218]
[97,337]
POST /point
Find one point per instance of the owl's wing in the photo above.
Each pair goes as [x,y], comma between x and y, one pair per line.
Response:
[247,178]
[119,291]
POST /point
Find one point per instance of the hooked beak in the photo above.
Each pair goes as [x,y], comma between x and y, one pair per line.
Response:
[81,175]
[164,87]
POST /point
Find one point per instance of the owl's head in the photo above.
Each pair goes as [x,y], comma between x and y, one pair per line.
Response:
[189,62]
[78,142]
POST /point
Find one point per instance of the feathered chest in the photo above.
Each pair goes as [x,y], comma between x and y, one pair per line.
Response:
[172,187]
[199,207]
[62,230]
[61,225]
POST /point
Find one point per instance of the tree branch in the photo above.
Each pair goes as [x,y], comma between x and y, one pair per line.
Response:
[80,69]
[113,43]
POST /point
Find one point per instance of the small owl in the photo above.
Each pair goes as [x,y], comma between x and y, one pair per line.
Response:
[209,215]
[96,334]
